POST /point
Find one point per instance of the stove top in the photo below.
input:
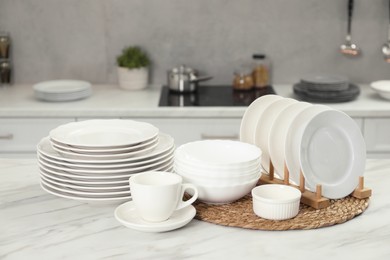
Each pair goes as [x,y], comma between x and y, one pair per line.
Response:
[211,96]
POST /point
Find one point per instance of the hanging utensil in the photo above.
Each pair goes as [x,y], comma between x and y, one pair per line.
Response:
[349,48]
[386,46]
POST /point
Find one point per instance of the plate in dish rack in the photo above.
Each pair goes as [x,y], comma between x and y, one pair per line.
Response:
[332,153]
[252,115]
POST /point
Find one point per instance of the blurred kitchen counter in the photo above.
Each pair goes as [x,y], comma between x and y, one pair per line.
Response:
[38,225]
[111,101]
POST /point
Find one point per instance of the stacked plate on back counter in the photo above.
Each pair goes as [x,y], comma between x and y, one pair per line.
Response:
[92,160]
[62,90]
[326,88]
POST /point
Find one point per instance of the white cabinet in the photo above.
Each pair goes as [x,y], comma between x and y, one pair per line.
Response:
[377,136]
[21,135]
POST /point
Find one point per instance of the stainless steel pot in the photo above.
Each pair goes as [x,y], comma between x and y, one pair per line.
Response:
[184,79]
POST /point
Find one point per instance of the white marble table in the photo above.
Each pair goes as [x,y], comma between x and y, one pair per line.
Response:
[37,225]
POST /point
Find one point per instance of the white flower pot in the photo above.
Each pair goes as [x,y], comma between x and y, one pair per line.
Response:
[133,79]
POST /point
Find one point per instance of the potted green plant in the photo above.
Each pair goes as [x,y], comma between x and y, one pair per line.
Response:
[133,68]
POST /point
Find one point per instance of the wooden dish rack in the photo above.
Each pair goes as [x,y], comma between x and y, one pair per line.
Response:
[312,199]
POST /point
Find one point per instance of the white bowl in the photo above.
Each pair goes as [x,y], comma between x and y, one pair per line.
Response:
[218,180]
[217,172]
[275,201]
[215,194]
[209,167]
[382,87]
[218,153]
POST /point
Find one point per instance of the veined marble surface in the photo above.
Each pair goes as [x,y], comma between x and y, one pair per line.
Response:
[111,101]
[38,225]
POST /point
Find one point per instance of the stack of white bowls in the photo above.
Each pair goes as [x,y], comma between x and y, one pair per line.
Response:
[222,170]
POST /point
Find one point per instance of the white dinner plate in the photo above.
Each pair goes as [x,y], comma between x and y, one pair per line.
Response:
[105,157]
[89,182]
[107,166]
[103,133]
[87,188]
[97,194]
[264,125]
[165,144]
[107,172]
[120,150]
[126,215]
[294,136]
[332,153]
[252,115]
[88,199]
[278,135]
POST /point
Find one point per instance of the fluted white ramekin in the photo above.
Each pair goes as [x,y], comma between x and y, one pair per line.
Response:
[275,201]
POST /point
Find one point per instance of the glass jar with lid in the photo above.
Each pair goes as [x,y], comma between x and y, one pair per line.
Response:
[261,71]
[243,79]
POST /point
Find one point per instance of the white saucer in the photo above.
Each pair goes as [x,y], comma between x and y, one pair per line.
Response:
[127,216]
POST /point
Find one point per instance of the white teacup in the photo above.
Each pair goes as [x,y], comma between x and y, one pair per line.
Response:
[157,195]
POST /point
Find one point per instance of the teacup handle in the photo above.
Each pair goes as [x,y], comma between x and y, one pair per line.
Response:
[184,187]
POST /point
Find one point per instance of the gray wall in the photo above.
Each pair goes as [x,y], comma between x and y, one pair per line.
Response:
[80,38]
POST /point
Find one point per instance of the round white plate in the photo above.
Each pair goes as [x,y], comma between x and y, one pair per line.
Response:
[95,183]
[107,172]
[104,133]
[218,153]
[264,125]
[107,166]
[332,153]
[278,135]
[99,194]
[165,144]
[88,199]
[126,215]
[105,157]
[121,150]
[294,136]
[88,188]
[252,115]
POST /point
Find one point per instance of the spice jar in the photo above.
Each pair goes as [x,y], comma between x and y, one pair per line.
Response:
[243,79]
[5,43]
[5,72]
[261,71]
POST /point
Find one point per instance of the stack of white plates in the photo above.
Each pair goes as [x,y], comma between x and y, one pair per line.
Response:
[222,170]
[92,160]
[62,90]
[326,144]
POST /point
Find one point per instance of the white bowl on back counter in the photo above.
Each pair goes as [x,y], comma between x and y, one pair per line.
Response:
[382,87]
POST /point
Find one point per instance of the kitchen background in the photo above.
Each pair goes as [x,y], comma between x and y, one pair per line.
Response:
[79,39]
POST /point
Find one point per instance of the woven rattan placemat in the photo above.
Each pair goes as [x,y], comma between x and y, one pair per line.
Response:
[240,214]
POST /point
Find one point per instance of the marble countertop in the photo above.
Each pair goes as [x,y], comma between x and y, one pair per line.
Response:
[111,101]
[38,225]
